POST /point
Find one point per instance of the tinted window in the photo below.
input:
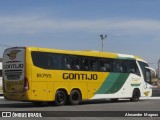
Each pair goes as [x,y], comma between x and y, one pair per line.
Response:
[105,65]
[93,65]
[74,62]
[118,66]
[46,60]
[131,67]
[84,63]
[65,62]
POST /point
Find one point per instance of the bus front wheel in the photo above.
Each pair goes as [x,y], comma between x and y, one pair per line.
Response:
[60,98]
[135,95]
[75,97]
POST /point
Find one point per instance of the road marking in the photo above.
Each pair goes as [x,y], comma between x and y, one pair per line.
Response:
[145,98]
[150,98]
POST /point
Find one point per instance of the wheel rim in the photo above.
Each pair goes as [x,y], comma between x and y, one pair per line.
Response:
[75,97]
[60,97]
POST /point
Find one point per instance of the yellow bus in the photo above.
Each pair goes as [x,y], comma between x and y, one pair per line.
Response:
[62,76]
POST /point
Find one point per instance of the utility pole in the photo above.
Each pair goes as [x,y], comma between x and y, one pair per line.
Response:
[102,38]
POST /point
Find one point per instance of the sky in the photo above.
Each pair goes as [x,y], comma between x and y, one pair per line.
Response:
[131,26]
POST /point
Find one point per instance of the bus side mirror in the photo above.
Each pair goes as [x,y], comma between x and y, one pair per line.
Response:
[150,74]
[153,72]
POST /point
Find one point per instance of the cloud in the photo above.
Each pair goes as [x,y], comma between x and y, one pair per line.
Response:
[33,24]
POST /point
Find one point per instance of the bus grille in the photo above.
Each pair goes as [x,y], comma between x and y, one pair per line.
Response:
[13,74]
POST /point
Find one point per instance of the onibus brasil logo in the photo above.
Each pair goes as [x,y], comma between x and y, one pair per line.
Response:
[12,55]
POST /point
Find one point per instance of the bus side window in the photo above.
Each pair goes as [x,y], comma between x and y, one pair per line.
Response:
[105,65]
[102,66]
[40,59]
[56,60]
[65,62]
[118,66]
[132,67]
[93,65]
[75,63]
[84,64]
[50,62]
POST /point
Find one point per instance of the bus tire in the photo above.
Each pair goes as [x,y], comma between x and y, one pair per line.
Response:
[60,98]
[75,97]
[135,95]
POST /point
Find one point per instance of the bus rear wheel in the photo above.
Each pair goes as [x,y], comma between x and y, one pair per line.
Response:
[135,95]
[60,98]
[75,97]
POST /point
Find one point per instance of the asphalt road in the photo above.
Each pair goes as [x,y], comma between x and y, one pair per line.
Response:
[97,106]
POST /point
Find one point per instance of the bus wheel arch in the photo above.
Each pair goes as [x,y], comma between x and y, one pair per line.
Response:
[60,97]
[75,97]
[135,95]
